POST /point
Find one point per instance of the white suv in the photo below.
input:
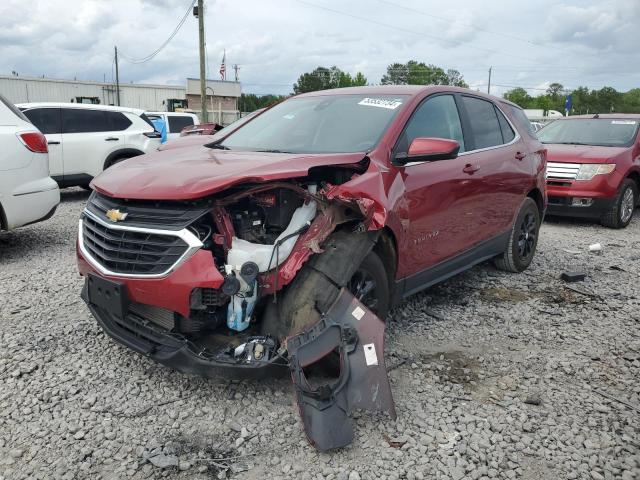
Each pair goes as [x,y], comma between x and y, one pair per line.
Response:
[176,121]
[86,139]
[27,193]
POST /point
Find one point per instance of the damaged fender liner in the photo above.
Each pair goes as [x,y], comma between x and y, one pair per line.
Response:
[358,335]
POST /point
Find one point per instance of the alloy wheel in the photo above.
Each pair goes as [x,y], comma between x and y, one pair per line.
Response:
[527,236]
[627,205]
[364,287]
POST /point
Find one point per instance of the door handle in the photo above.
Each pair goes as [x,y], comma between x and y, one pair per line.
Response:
[470,169]
[520,155]
[53,143]
[111,139]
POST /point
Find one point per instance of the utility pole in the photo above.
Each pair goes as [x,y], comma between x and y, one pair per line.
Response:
[117,79]
[489,84]
[203,79]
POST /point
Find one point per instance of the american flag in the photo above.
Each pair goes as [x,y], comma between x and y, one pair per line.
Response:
[223,66]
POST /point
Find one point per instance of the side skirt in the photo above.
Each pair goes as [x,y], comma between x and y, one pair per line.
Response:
[448,268]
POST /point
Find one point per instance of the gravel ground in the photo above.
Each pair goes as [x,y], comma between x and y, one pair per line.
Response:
[494,376]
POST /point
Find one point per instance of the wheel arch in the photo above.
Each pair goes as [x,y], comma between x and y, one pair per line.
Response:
[537,197]
[386,248]
[4,223]
[635,176]
[121,153]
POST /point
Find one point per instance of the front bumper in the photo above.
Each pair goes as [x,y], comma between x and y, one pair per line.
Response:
[175,350]
[561,206]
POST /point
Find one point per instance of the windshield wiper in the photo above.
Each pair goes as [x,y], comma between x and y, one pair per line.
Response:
[218,146]
[271,151]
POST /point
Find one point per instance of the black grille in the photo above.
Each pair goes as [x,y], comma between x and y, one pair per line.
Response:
[124,251]
[213,297]
[146,213]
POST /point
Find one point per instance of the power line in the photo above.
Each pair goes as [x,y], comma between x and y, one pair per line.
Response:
[395,27]
[166,42]
[469,25]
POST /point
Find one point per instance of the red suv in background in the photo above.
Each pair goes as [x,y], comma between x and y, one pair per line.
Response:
[290,238]
[593,168]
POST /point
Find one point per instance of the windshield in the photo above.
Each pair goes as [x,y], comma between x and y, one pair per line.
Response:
[323,124]
[605,132]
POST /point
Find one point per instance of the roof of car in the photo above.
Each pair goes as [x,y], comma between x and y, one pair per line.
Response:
[402,90]
[629,116]
[87,106]
[188,114]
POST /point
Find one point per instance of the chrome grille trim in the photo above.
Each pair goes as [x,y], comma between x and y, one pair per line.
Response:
[193,245]
[565,171]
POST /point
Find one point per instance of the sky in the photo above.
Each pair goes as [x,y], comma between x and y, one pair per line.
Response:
[528,44]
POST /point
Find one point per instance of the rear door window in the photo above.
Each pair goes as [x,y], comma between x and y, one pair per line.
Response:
[436,117]
[80,120]
[507,132]
[178,122]
[486,131]
[47,120]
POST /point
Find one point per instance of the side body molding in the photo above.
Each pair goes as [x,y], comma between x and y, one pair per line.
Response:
[357,335]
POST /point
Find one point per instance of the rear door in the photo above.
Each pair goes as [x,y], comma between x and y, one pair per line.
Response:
[88,139]
[503,174]
[48,121]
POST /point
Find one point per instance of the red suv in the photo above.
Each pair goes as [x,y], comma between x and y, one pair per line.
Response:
[285,243]
[594,167]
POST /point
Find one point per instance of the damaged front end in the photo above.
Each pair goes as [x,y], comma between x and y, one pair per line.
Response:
[245,283]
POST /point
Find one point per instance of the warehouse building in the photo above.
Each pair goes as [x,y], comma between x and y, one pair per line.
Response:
[222,96]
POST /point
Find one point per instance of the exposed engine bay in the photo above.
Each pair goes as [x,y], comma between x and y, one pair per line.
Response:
[284,252]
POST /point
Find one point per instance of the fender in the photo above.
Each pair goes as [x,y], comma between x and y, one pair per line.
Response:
[121,153]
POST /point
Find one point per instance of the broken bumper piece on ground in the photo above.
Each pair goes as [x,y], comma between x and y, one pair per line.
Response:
[354,334]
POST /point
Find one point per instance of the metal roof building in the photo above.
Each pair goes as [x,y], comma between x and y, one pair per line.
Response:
[221,95]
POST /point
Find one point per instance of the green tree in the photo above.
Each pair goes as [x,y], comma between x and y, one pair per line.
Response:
[323,78]
[249,102]
[520,97]
[631,101]
[419,73]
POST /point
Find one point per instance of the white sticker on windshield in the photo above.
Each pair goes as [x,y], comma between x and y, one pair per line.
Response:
[290,116]
[380,102]
[623,122]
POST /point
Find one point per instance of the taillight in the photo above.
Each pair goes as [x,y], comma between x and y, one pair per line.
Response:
[34,141]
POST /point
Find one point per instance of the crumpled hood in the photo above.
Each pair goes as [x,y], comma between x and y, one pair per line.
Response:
[194,172]
[582,153]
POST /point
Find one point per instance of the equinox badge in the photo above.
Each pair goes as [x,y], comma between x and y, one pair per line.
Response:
[116,215]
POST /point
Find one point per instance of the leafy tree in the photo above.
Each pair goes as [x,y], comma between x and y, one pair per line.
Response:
[323,78]
[419,73]
[520,97]
[249,102]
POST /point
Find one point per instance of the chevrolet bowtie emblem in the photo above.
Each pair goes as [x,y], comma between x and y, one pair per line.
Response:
[116,215]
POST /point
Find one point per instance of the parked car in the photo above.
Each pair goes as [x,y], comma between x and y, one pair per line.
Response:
[86,139]
[27,193]
[537,126]
[201,129]
[204,137]
[594,167]
[176,122]
[291,237]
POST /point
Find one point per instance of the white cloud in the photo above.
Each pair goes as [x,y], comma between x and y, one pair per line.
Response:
[528,44]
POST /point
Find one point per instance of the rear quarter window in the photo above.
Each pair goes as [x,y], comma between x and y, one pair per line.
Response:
[177,123]
[117,121]
[522,122]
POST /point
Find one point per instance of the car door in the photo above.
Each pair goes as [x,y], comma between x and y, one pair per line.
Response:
[48,121]
[88,139]
[501,174]
[439,195]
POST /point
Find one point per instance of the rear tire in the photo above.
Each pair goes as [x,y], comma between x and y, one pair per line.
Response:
[621,212]
[523,239]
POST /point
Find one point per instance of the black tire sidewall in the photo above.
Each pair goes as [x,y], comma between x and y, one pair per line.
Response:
[626,186]
[372,264]
[529,206]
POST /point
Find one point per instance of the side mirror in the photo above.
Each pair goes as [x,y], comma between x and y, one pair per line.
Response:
[429,150]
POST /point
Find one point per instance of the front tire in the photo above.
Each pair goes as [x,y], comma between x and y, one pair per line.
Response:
[621,212]
[523,239]
[370,285]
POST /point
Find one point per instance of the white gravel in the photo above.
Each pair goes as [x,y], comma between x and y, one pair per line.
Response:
[496,376]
